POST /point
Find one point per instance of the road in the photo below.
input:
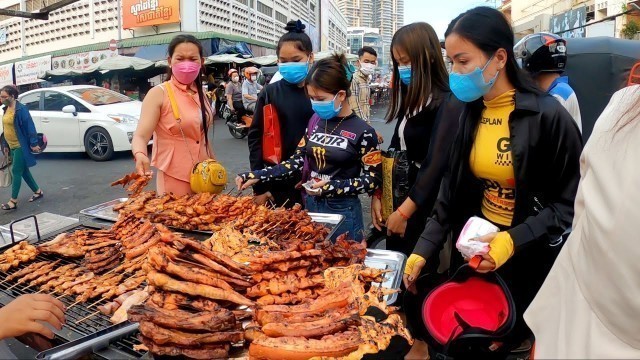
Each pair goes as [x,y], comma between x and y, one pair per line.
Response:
[72,182]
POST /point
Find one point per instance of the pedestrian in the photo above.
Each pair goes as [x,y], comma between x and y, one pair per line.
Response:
[31,313]
[233,92]
[426,116]
[288,97]
[586,307]
[177,146]
[360,88]
[19,141]
[250,88]
[340,150]
[515,163]
[544,56]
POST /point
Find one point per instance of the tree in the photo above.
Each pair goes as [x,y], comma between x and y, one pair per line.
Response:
[630,30]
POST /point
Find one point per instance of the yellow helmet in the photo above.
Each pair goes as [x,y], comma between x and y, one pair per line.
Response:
[208,176]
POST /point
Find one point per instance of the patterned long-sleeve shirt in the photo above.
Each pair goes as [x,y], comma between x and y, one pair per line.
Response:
[360,96]
[342,151]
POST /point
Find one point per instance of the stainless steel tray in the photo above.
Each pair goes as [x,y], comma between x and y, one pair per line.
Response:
[388,260]
[105,211]
[5,237]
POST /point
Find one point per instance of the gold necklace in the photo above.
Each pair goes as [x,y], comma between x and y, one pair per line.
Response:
[326,125]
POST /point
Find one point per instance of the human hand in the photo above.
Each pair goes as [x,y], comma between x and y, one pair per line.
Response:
[380,138]
[316,188]
[35,148]
[412,271]
[242,185]
[376,212]
[396,224]
[262,199]
[27,313]
[487,263]
[143,165]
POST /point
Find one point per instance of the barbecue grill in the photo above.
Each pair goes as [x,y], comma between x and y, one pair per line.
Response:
[72,330]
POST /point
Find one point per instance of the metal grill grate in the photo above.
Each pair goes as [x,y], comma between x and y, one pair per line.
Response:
[71,331]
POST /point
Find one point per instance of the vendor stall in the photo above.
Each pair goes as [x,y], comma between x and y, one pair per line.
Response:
[265,282]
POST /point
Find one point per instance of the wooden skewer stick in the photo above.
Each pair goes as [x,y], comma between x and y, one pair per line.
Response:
[87,317]
[74,304]
[285,203]
[14,285]
[61,296]
[95,303]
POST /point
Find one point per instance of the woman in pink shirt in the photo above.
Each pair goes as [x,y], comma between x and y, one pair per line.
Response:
[177,146]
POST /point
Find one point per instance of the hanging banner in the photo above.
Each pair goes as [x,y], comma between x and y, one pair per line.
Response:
[6,75]
[30,71]
[140,13]
[81,61]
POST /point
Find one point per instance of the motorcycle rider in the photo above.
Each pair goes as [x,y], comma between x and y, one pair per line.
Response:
[544,56]
[233,92]
[250,89]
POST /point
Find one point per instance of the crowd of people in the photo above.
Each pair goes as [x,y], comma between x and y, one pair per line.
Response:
[495,134]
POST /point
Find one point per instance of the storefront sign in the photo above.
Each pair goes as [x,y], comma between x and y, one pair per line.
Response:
[573,19]
[81,61]
[30,71]
[6,75]
[3,36]
[140,13]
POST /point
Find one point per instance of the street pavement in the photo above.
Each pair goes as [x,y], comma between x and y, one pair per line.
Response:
[72,182]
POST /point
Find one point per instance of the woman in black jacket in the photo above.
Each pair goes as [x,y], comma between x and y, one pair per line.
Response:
[427,118]
[515,163]
[288,96]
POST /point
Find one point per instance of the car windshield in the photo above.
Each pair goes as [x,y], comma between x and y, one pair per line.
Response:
[100,96]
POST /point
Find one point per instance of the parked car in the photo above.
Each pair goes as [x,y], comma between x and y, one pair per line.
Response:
[84,118]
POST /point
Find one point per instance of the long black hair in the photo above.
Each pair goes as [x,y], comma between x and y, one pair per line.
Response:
[205,109]
[489,30]
[11,90]
[295,34]
[429,77]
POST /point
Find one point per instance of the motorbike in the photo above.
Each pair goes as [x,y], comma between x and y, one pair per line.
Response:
[239,128]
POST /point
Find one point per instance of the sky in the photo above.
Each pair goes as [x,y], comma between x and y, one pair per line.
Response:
[439,13]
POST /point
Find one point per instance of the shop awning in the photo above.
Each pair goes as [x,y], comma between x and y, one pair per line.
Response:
[144,41]
[110,64]
[324,54]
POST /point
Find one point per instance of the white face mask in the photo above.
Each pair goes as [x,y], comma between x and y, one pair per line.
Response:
[254,77]
[235,79]
[367,68]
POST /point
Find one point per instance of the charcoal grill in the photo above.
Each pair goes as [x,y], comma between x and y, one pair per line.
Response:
[121,349]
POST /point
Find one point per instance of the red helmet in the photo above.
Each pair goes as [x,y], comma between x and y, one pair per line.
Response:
[231,71]
[248,71]
[471,310]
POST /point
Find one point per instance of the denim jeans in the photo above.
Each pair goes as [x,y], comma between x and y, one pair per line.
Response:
[349,206]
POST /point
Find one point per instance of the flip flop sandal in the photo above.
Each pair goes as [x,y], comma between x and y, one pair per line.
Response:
[37,196]
[7,207]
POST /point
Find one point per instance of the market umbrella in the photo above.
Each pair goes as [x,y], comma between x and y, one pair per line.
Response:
[62,73]
[324,54]
[607,61]
[164,63]
[227,58]
[265,60]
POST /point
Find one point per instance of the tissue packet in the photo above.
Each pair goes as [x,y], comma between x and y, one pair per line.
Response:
[475,227]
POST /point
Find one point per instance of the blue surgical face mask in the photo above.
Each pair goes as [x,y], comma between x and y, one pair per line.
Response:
[326,109]
[472,86]
[294,72]
[405,74]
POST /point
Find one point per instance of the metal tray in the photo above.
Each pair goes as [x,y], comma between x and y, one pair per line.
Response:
[105,211]
[388,260]
[5,237]
[93,343]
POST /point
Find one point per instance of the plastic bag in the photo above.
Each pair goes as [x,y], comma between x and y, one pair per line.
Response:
[475,227]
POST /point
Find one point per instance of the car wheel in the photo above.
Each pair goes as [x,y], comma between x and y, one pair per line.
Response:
[98,144]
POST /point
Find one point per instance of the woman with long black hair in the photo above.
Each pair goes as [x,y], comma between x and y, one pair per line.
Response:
[427,117]
[515,163]
[177,146]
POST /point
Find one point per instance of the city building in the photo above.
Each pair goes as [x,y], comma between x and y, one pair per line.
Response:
[357,37]
[333,27]
[385,15]
[569,18]
[87,27]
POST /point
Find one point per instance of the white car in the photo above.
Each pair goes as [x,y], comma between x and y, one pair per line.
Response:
[84,118]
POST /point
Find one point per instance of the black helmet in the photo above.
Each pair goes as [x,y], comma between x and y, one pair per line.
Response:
[541,52]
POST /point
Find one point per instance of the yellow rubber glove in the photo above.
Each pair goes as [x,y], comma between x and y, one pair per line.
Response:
[501,248]
[411,263]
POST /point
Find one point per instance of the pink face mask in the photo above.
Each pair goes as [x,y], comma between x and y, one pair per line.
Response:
[186,71]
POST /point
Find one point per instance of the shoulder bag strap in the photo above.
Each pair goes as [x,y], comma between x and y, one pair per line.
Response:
[176,115]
